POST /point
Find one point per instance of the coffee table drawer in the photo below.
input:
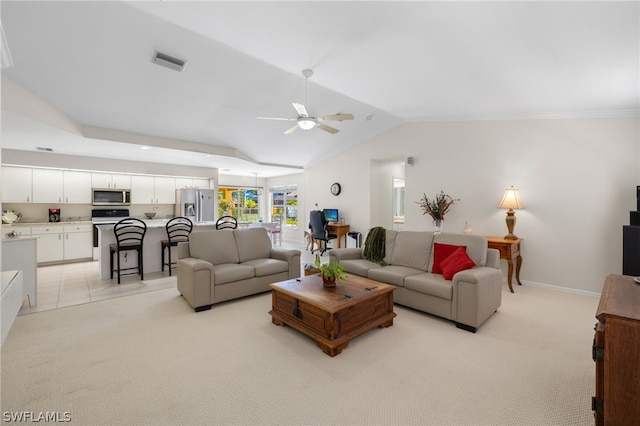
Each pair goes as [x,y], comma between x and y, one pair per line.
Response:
[309,315]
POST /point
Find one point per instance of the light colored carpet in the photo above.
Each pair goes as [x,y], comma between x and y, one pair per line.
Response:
[149,359]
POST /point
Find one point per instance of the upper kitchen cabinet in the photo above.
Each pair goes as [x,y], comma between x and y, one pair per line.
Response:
[108,180]
[77,187]
[48,186]
[16,184]
[153,190]
[61,186]
[196,183]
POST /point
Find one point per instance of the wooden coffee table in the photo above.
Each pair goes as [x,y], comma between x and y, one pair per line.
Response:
[332,316]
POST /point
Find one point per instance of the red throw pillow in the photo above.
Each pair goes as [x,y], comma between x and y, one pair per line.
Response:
[440,253]
[456,262]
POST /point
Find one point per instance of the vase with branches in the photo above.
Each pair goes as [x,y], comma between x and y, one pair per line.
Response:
[437,207]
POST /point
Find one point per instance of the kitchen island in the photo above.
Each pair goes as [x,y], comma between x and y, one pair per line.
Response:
[151,247]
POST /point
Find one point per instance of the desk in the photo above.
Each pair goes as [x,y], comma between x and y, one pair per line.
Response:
[339,229]
[509,250]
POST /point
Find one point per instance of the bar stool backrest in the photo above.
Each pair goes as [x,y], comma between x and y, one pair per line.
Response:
[178,229]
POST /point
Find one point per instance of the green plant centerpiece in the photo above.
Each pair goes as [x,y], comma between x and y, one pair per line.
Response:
[330,272]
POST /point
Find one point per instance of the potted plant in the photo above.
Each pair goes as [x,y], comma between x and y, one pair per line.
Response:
[330,272]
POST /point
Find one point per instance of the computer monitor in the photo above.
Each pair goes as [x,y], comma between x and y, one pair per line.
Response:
[330,215]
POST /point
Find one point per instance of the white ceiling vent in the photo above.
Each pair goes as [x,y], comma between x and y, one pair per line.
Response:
[169,61]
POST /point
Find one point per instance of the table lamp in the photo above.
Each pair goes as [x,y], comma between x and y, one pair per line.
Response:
[511,200]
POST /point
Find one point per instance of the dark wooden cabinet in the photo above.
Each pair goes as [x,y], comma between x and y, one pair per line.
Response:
[616,351]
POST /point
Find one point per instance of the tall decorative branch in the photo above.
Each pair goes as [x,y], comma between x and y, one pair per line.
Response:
[437,207]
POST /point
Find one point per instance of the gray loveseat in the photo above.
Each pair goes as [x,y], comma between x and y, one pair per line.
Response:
[469,298]
[215,266]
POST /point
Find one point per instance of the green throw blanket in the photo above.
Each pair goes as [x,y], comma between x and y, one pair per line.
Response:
[374,249]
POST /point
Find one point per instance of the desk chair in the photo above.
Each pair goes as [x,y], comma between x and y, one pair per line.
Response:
[227,222]
[129,234]
[319,231]
[178,230]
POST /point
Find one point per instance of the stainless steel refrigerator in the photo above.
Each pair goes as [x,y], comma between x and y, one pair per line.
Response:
[199,205]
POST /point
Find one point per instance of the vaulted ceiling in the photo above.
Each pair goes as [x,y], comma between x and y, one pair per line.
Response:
[385,62]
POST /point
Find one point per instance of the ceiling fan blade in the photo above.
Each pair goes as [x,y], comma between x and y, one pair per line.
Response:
[300,109]
[336,117]
[326,128]
[291,130]
[276,118]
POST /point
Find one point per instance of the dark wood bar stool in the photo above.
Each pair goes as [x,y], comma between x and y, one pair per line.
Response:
[178,230]
[129,234]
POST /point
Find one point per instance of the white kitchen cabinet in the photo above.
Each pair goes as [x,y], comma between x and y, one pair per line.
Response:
[78,241]
[61,186]
[50,244]
[59,242]
[165,190]
[17,184]
[110,180]
[142,190]
[77,187]
[153,190]
[48,186]
[196,183]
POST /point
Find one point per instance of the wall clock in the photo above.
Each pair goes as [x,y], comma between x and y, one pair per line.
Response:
[336,188]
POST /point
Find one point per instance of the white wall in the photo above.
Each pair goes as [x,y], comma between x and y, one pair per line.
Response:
[577,178]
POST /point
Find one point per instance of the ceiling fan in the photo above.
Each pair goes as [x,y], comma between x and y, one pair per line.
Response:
[306,122]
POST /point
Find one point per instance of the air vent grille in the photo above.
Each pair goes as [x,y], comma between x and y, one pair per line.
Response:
[169,61]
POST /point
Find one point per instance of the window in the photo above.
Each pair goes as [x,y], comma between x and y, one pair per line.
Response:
[284,205]
[241,203]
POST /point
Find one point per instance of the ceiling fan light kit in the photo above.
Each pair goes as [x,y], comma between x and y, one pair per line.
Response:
[306,122]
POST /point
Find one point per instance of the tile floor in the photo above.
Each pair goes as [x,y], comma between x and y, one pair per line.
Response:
[77,283]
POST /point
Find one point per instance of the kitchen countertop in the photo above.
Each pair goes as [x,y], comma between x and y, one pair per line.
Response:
[47,223]
[155,223]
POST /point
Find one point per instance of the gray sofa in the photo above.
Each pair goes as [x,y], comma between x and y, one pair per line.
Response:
[214,266]
[469,298]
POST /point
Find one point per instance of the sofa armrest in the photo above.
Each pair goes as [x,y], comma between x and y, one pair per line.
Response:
[196,281]
[350,253]
[291,256]
[493,258]
[478,294]
[477,275]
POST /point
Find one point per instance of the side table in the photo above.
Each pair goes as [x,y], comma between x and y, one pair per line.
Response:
[509,250]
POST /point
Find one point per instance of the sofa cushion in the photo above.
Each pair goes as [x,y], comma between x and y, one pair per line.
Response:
[391,274]
[431,284]
[412,249]
[390,240]
[215,247]
[267,266]
[476,245]
[456,262]
[440,253]
[228,272]
[252,243]
[358,266]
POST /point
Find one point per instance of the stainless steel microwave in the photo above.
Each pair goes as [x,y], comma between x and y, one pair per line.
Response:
[111,197]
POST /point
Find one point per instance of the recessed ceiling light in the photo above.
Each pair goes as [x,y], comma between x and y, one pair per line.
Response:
[145,147]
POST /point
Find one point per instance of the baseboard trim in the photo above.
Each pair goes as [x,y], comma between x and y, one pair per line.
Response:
[559,288]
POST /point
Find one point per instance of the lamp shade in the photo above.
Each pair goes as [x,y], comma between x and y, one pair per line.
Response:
[511,199]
